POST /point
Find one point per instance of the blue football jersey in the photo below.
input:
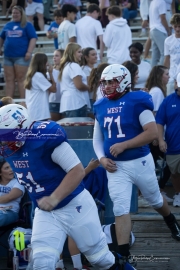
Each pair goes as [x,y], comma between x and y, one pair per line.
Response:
[34,167]
[119,122]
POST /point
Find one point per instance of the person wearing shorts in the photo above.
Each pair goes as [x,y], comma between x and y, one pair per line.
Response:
[19,39]
[35,7]
[169,115]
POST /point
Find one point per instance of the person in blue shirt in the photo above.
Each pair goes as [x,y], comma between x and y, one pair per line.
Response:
[169,115]
[44,162]
[19,39]
[53,28]
[124,127]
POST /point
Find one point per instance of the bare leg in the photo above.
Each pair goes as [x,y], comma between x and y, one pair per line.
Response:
[147,47]
[30,18]
[123,229]
[73,249]
[20,72]
[9,74]
[175,178]
[40,21]
[164,210]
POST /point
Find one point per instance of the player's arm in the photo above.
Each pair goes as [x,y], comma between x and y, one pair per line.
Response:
[67,159]
[12,195]
[98,144]
[149,134]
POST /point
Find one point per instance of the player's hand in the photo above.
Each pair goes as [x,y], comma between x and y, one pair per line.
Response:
[117,148]
[163,146]
[93,164]
[108,164]
[47,203]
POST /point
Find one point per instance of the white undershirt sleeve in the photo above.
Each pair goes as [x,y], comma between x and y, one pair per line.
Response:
[65,157]
[146,117]
[98,141]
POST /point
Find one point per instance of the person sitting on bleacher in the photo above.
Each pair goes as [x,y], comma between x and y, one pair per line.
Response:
[11,193]
[129,9]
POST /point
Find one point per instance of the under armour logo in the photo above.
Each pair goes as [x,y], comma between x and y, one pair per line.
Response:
[25,154]
[121,103]
[173,105]
[78,208]
[144,162]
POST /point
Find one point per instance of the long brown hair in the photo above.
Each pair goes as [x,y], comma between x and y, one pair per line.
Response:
[2,162]
[85,53]
[95,77]
[37,64]
[155,78]
[68,56]
[133,68]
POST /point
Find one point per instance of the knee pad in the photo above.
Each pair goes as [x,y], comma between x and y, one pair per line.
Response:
[157,205]
[45,258]
[120,210]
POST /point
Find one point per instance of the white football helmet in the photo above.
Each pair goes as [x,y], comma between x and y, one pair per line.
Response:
[120,78]
[12,117]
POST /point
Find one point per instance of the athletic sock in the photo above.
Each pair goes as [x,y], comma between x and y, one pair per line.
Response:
[124,250]
[76,259]
[60,264]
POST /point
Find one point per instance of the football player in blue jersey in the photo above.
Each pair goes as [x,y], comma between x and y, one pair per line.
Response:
[124,127]
[47,166]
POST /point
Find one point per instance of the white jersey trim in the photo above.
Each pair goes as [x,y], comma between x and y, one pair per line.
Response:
[146,117]
[65,157]
[98,141]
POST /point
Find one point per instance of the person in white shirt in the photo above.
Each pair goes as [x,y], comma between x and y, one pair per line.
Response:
[54,98]
[94,81]
[73,82]
[136,50]
[117,37]
[172,52]
[156,84]
[159,30]
[88,29]
[38,87]
[11,193]
[67,30]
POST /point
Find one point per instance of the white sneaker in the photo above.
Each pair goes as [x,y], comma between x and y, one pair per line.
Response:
[169,200]
[176,201]
[143,34]
[142,202]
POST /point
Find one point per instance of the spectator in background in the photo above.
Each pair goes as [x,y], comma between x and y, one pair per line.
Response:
[159,30]
[73,82]
[21,3]
[88,60]
[35,7]
[54,98]
[169,115]
[19,39]
[47,7]
[133,69]
[144,12]
[67,30]
[117,37]
[136,51]
[89,28]
[94,81]
[53,28]
[11,193]
[5,101]
[38,87]
[129,9]
[156,85]
[76,3]
[104,4]
[172,52]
